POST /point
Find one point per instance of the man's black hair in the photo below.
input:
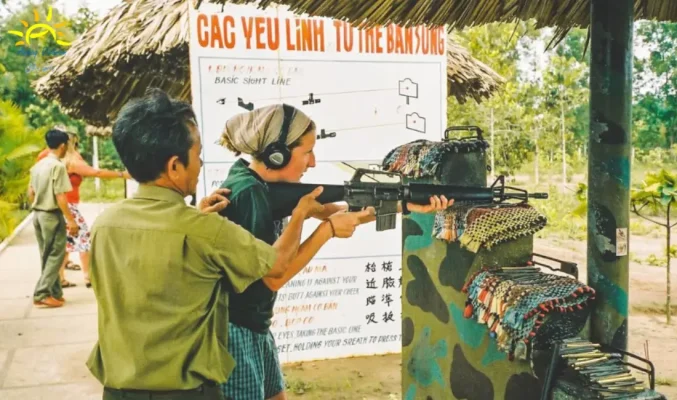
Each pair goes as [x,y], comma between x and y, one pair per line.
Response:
[149,131]
[55,138]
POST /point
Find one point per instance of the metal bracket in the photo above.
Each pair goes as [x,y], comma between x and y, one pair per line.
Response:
[567,267]
[467,128]
[650,370]
[360,172]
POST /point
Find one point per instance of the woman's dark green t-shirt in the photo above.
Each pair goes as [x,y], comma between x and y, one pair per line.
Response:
[250,208]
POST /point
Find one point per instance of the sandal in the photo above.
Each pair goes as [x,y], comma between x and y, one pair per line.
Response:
[72,266]
[66,284]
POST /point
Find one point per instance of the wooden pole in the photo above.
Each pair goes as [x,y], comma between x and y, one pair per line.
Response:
[609,168]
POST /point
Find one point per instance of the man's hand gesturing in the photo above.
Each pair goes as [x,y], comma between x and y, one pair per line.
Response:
[215,202]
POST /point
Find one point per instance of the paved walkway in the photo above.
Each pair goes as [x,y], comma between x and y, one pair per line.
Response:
[43,351]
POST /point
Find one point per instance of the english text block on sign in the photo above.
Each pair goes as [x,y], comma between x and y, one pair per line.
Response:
[340,308]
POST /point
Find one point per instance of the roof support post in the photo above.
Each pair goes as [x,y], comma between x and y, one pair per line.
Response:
[609,168]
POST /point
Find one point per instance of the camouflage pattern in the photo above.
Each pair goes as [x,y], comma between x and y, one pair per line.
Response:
[444,355]
[609,167]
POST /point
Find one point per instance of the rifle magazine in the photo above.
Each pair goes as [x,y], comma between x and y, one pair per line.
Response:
[386,222]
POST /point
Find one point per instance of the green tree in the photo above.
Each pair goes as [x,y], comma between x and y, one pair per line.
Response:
[565,88]
[574,46]
[658,193]
[655,109]
[498,45]
[18,147]
[25,64]
[83,19]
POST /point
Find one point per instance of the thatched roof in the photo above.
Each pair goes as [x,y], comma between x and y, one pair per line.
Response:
[457,14]
[144,43]
[138,44]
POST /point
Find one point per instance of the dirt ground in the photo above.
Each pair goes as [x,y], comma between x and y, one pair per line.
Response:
[378,377]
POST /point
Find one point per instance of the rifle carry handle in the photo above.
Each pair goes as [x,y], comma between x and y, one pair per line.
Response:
[466,128]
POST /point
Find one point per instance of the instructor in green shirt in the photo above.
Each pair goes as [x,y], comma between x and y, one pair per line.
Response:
[162,270]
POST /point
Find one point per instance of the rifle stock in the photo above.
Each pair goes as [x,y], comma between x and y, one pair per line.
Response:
[384,196]
[285,196]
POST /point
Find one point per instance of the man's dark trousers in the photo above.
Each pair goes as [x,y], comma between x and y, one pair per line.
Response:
[50,231]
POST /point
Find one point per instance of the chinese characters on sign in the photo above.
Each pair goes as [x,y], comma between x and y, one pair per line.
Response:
[388,291]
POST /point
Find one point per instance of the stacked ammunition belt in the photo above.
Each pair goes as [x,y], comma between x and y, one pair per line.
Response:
[514,301]
[606,374]
[482,226]
[422,158]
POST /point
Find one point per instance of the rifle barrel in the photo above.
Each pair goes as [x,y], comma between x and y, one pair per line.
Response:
[420,193]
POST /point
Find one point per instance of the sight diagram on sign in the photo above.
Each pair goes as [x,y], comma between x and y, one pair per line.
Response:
[311,100]
[247,106]
[415,122]
[324,134]
[356,117]
[408,89]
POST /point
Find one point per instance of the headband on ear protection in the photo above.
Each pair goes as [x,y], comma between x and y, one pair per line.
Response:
[277,155]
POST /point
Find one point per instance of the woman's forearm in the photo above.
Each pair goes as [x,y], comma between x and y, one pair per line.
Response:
[85,170]
[305,253]
[329,210]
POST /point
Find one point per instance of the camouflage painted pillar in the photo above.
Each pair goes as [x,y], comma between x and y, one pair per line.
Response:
[609,168]
[444,355]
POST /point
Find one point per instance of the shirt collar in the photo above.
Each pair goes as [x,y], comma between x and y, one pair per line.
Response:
[242,166]
[152,192]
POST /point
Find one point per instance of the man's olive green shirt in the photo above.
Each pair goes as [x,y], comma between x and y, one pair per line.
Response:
[49,178]
[157,269]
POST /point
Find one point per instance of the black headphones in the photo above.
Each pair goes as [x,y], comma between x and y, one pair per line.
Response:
[277,155]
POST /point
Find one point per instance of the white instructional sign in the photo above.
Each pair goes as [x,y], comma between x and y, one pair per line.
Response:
[131,186]
[368,91]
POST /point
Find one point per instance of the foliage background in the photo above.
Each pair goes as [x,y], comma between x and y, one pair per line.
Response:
[544,101]
[25,116]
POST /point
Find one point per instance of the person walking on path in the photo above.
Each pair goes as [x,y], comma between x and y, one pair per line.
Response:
[78,169]
[162,270]
[52,218]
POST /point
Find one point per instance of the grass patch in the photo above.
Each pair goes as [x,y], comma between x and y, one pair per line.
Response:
[564,222]
[661,381]
[654,309]
[640,227]
[10,221]
[111,190]
[656,261]
[635,258]
[298,386]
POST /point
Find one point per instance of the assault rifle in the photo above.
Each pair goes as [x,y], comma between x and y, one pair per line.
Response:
[384,196]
